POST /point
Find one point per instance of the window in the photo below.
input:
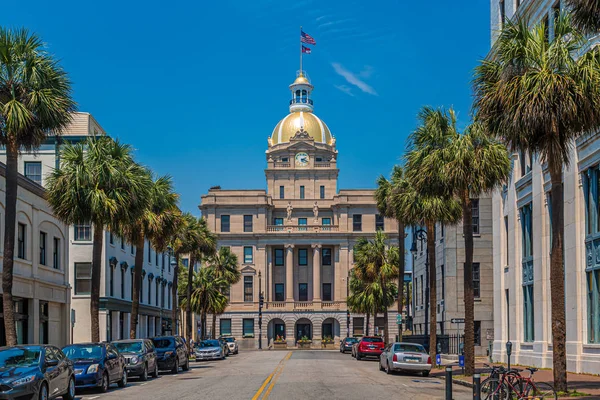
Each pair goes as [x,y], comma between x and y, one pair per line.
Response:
[248,294]
[132,249]
[156,260]
[476,281]
[225,223]
[517,4]
[556,11]
[111,238]
[122,244]
[327,330]
[247,223]
[278,224]
[303,291]
[282,192]
[301,192]
[475,215]
[527,273]
[591,187]
[326,222]
[132,279]
[83,232]
[248,255]
[83,278]
[248,327]
[150,291]
[162,296]
[477,336]
[303,257]
[502,13]
[142,290]
[379,224]
[43,236]
[149,254]
[443,271]
[357,222]
[279,292]
[225,326]
[442,228]
[327,292]
[21,241]
[169,298]
[358,326]
[157,292]
[122,284]
[33,171]
[279,257]
[326,256]
[322,192]
[506,249]
[421,290]
[186,262]
[112,280]
[302,222]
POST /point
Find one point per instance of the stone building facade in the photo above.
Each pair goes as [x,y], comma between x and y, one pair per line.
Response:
[295,239]
[522,232]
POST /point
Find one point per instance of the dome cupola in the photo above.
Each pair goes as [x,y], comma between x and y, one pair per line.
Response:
[301,93]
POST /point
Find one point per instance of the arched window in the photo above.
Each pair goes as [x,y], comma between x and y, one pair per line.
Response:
[304,96]
[297,96]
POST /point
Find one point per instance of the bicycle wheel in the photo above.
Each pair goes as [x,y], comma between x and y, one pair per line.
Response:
[493,389]
[540,390]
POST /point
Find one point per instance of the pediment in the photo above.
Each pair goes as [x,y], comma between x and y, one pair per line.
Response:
[301,145]
[248,270]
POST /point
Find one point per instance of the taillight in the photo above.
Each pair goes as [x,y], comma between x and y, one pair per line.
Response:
[428,360]
[395,358]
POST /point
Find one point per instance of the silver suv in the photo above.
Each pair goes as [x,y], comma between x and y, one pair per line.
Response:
[231,343]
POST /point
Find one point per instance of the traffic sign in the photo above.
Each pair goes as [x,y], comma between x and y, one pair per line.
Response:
[461,361]
[399,319]
[438,359]
[457,320]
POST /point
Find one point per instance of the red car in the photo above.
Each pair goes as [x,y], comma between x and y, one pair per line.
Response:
[369,346]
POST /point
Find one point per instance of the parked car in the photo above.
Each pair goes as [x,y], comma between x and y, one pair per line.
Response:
[231,343]
[172,353]
[368,346]
[140,357]
[97,365]
[225,347]
[39,372]
[346,344]
[209,350]
[410,357]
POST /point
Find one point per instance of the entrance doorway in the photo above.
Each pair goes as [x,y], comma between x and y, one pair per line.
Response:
[279,331]
[303,329]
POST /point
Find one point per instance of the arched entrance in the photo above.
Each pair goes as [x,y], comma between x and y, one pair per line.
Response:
[276,330]
[330,329]
[303,329]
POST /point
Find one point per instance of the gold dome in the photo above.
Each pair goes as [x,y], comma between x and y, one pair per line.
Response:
[301,80]
[287,128]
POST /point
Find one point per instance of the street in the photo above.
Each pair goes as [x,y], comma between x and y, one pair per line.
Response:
[299,374]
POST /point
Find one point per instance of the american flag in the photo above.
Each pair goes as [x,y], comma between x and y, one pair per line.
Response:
[306,50]
[306,38]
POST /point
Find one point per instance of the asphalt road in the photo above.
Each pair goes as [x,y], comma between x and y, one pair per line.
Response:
[289,375]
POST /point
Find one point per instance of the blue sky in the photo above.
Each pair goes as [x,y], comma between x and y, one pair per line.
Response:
[197,87]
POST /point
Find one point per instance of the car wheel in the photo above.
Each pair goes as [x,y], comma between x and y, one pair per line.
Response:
[70,395]
[43,392]
[186,366]
[380,366]
[388,370]
[104,385]
[123,381]
[425,373]
[144,375]
[357,357]
[175,369]
[155,373]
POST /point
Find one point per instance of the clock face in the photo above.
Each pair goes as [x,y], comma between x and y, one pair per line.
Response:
[302,159]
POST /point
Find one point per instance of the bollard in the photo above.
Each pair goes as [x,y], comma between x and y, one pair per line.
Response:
[448,383]
[477,387]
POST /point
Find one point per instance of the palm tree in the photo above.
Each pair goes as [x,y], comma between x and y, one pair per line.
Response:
[376,262]
[225,266]
[537,96]
[585,14]
[358,300]
[384,196]
[35,98]
[98,183]
[154,225]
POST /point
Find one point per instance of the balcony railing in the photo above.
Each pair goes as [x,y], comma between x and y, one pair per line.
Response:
[300,101]
[322,164]
[279,164]
[303,228]
[305,305]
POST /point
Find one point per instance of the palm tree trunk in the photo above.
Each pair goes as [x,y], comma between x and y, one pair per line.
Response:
[12,154]
[188,306]
[401,251]
[174,293]
[468,286]
[432,287]
[368,318]
[557,276]
[214,326]
[96,273]
[386,337]
[137,280]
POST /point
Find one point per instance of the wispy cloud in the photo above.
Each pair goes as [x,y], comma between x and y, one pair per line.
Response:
[366,72]
[321,17]
[345,89]
[353,79]
[339,21]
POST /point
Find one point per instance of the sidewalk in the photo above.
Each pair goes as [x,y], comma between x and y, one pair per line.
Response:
[582,383]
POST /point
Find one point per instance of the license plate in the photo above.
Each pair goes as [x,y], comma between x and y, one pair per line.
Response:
[412,359]
[372,347]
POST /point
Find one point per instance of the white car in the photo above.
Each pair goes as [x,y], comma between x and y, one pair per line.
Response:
[209,350]
[231,343]
[408,357]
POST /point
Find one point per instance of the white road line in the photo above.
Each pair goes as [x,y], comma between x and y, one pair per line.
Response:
[92,398]
[142,384]
[405,385]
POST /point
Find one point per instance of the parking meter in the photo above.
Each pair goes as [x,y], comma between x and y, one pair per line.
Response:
[508,352]
[461,348]
[439,348]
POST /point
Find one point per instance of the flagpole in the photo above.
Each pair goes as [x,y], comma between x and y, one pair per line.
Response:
[300,50]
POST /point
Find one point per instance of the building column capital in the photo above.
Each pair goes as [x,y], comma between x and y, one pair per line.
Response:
[289,246]
[316,246]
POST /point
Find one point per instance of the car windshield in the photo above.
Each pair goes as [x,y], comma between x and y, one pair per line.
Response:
[210,343]
[416,348]
[229,339]
[352,339]
[161,343]
[372,339]
[129,347]
[20,357]
[85,352]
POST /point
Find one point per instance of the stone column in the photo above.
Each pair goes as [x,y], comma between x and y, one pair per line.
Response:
[289,272]
[316,272]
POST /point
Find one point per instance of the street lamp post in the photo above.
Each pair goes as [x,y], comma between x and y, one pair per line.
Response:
[421,235]
[261,301]
[348,309]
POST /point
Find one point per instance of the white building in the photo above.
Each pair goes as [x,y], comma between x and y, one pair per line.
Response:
[522,243]
[41,272]
[118,258]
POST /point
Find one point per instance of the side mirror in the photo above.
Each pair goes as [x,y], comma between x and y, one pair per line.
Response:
[51,363]
[112,356]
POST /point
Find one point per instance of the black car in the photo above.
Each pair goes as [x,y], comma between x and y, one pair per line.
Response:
[140,357]
[97,365]
[346,344]
[172,353]
[35,371]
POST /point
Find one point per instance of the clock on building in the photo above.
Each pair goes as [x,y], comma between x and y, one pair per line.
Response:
[302,159]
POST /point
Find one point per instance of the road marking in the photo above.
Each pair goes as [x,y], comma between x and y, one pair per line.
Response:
[92,398]
[266,382]
[274,380]
[142,384]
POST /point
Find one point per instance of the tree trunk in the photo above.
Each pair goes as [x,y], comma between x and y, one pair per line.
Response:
[188,306]
[557,276]
[468,285]
[137,280]
[174,294]
[432,287]
[12,155]
[214,326]
[401,267]
[96,273]
[368,318]
[386,334]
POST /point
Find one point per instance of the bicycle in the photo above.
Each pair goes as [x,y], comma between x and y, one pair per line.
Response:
[521,388]
[497,374]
